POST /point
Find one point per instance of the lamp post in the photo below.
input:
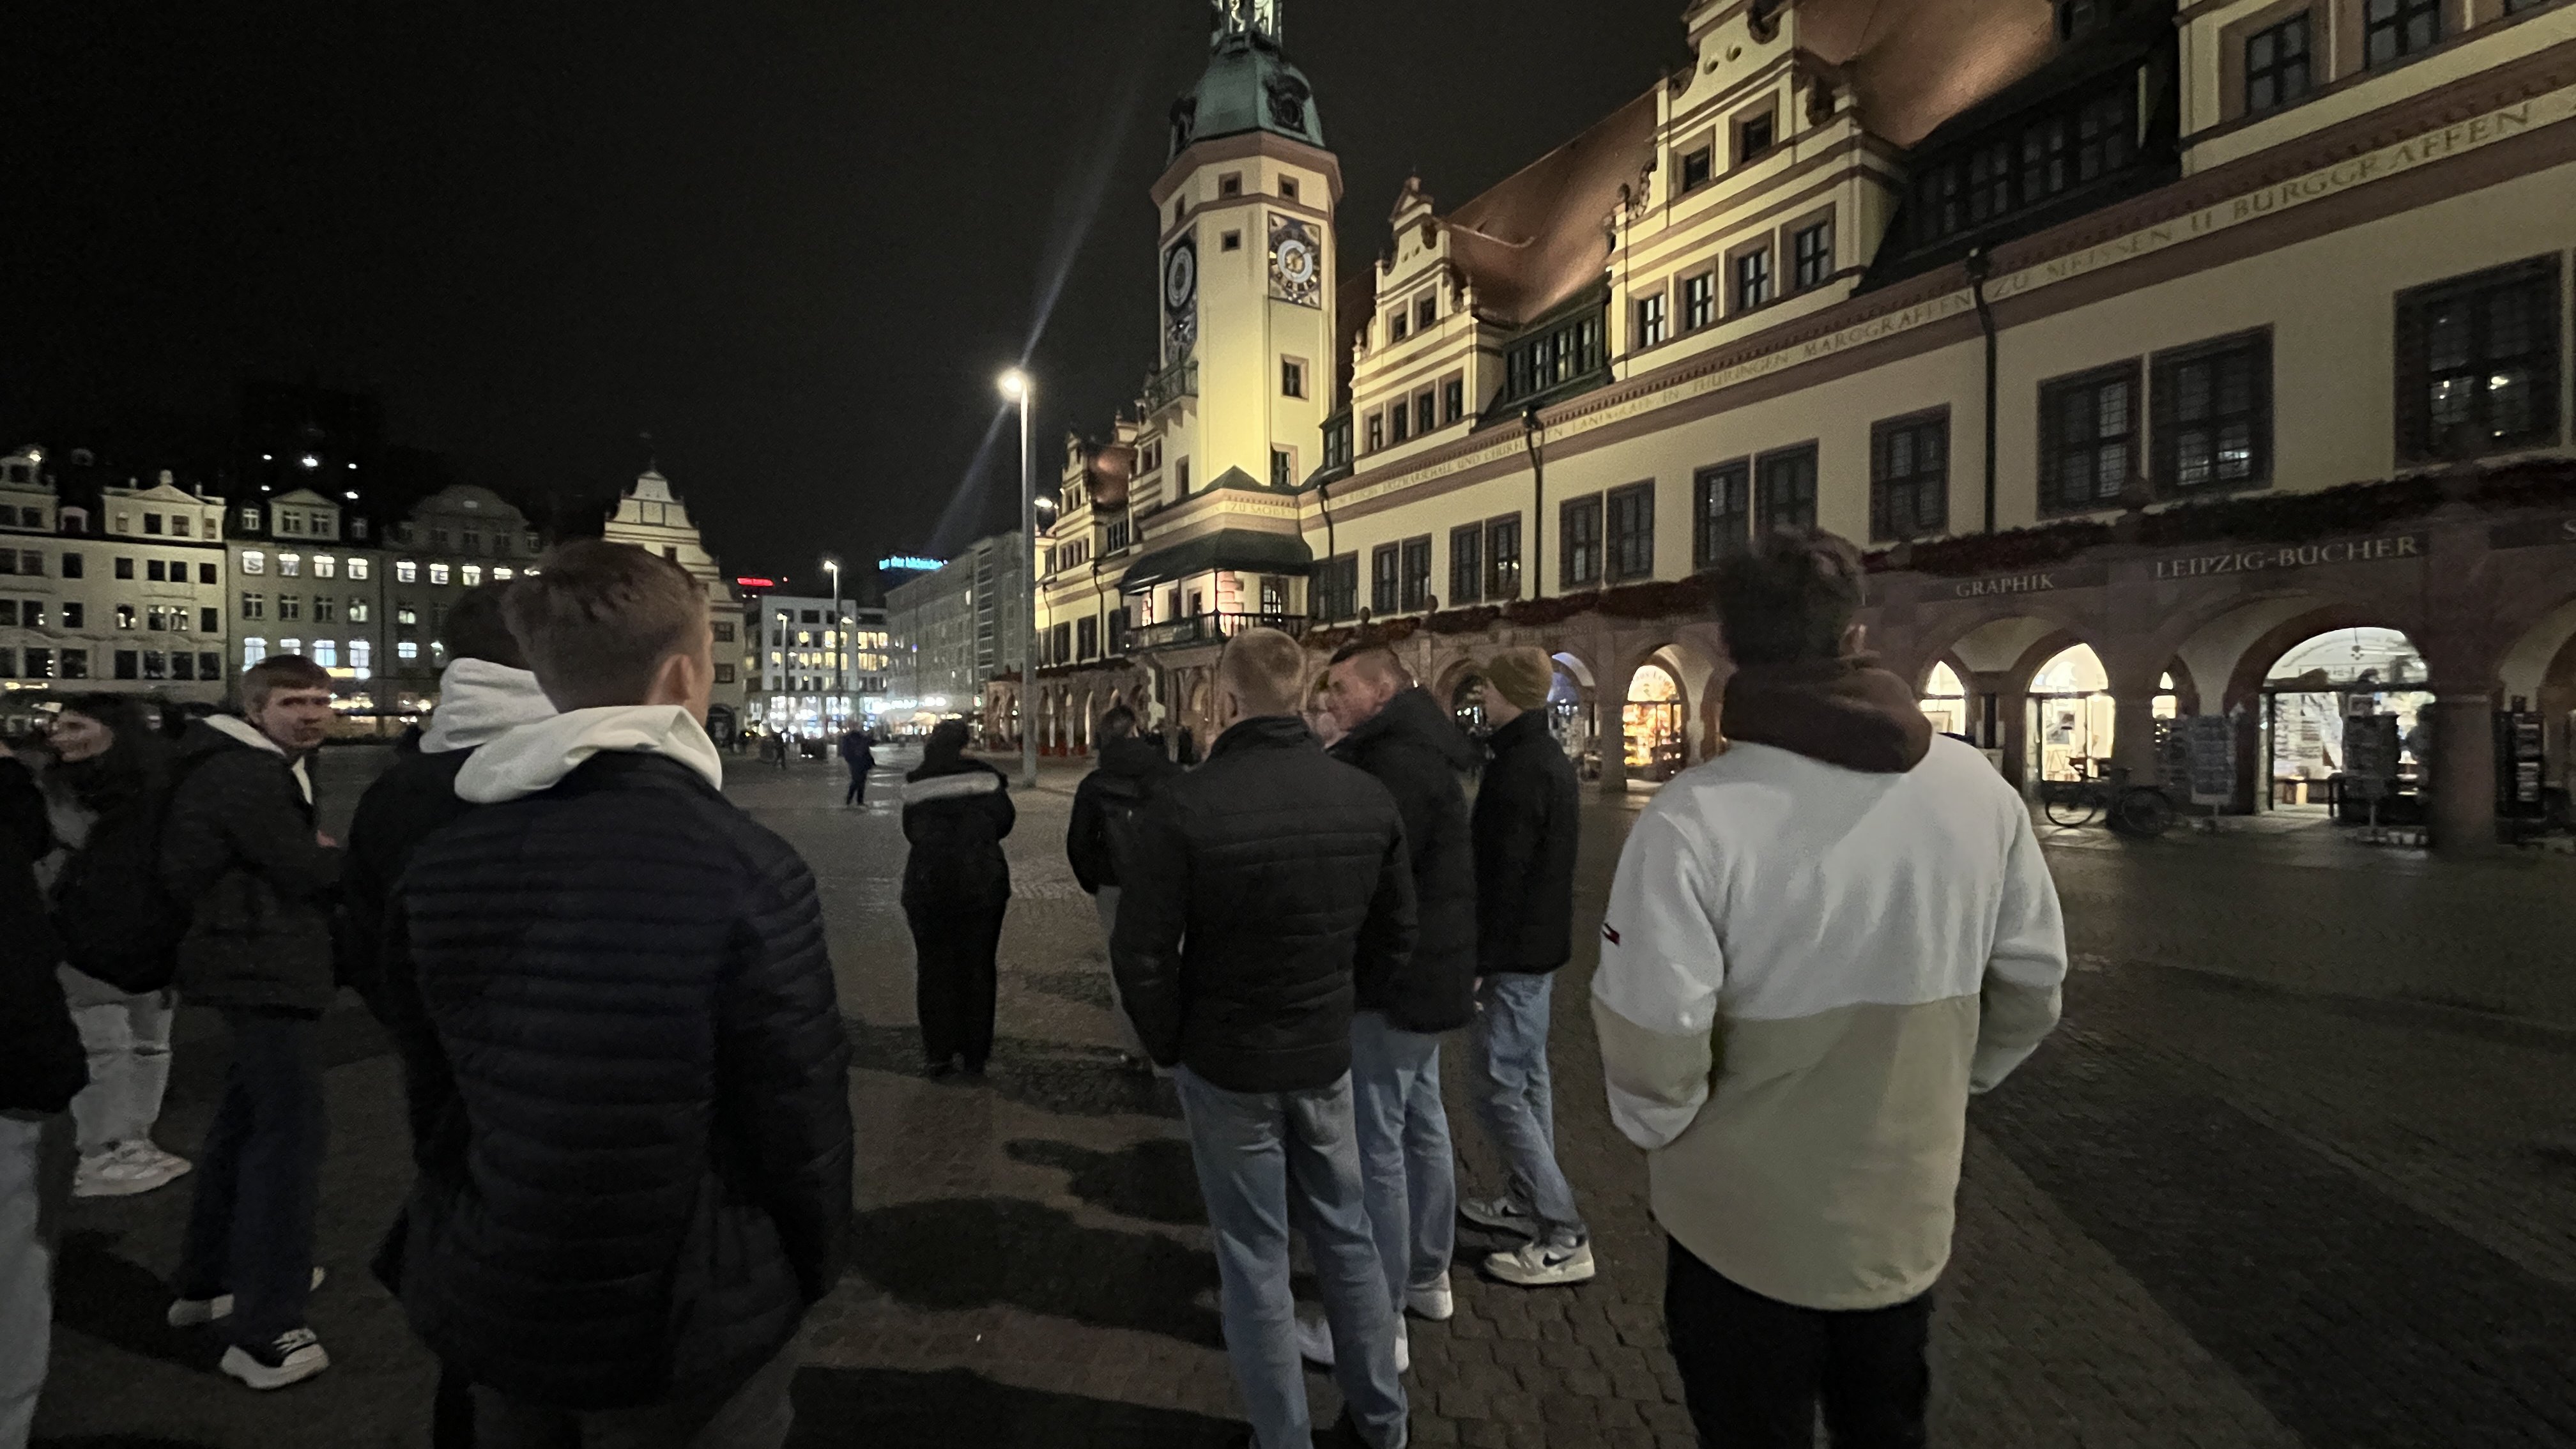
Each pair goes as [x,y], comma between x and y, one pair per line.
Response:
[840,644]
[1016,387]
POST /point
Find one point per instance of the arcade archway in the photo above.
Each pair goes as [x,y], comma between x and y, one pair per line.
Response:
[2073,718]
[1656,722]
[2345,725]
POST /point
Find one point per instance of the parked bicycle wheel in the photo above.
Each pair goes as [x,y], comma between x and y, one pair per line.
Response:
[2070,803]
[2143,811]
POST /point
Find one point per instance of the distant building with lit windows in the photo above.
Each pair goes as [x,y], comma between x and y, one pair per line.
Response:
[308,577]
[458,538]
[812,665]
[653,518]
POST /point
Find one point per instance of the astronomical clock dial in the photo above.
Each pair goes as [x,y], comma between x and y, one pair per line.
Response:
[1181,297]
[1296,262]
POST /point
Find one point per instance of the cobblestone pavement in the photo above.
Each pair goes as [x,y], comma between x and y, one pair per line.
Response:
[2270,1186]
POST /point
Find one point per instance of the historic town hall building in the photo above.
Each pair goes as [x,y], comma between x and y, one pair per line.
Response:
[2196,372]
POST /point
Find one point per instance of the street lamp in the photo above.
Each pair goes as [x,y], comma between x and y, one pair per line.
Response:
[1016,387]
[840,640]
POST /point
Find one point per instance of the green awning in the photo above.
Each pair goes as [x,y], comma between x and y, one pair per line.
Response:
[1240,549]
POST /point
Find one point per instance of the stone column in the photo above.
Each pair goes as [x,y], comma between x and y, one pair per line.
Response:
[1610,737]
[2463,782]
[2133,734]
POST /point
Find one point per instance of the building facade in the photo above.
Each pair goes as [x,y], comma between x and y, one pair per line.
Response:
[814,664]
[2082,316]
[952,632]
[119,589]
[308,577]
[652,517]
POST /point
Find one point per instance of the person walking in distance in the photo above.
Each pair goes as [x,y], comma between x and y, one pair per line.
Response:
[106,799]
[1396,732]
[956,885]
[1818,945]
[240,848]
[1526,824]
[485,690]
[1108,808]
[40,1073]
[861,759]
[1269,891]
[644,1183]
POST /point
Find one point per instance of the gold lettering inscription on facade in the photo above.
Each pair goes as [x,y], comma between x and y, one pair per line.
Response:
[2291,556]
[2451,140]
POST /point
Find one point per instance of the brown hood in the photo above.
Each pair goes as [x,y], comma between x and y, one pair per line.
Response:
[1844,712]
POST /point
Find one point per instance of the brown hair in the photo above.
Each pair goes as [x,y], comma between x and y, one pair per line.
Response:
[280,671]
[475,628]
[1376,663]
[1790,600]
[596,620]
[1266,670]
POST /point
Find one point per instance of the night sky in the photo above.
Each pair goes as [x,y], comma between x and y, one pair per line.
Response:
[794,242]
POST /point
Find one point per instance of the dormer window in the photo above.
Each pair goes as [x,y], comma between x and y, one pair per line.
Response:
[250,520]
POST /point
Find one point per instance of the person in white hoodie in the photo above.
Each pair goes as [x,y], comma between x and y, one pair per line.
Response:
[1818,945]
[485,690]
[643,1179]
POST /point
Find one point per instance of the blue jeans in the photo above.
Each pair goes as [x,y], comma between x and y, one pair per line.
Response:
[1406,1165]
[250,1226]
[1252,1150]
[1512,1096]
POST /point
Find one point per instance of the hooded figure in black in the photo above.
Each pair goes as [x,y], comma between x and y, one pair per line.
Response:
[956,812]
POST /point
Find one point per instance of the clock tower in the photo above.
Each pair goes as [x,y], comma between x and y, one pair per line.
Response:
[1247,271]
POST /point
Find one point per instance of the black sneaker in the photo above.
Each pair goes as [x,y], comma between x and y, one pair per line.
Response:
[290,1358]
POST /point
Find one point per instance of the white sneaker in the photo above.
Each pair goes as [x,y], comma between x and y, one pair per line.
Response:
[126,1169]
[1544,1262]
[293,1357]
[197,1312]
[1315,1339]
[1433,1301]
[1501,1214]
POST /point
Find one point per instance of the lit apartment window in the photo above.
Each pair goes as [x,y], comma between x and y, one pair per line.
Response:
[503,574]
[406,649]
[254,562]
[438,573]
[471,575]
[290,565]
[253,651]
[326,652]
[325,566]
[361,656]
[406,572]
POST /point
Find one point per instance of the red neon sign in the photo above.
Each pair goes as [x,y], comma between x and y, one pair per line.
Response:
[756,583]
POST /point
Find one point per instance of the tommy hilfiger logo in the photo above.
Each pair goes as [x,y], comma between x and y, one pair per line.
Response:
[1609,933]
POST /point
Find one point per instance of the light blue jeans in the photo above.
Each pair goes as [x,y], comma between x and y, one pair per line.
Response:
[1253,1151]
[1513,1098]
[1410,1172]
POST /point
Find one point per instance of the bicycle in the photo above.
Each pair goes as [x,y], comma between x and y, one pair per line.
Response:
[2145,811]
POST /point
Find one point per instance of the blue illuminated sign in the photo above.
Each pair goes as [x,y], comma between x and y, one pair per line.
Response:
[914,562]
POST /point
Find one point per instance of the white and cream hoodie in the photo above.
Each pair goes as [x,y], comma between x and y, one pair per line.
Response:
[527,759]
[1805,970]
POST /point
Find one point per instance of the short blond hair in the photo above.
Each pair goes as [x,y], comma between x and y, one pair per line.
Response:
[596,620]
[1266,670]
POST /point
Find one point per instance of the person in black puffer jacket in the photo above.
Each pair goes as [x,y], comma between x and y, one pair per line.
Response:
[1108,809]
[1269,893]
[485,690]
[646,1181]
[956,885]
[1526,822]
[1400,734]
[40,1072]
[240,848]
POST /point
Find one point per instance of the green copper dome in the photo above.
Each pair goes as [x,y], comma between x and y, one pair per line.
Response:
[1250,85]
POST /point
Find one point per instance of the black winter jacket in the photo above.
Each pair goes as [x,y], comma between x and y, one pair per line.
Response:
[238,848]
[42,1066]
[1525,823]
[1109,806]
[412,800]
[646,1181]
[1417,751]
[956,818]
[1271,893]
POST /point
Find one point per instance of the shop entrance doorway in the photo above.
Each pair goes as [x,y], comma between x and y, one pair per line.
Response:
[2345,727]
[2071,716]
[1569,712]
[1655,725]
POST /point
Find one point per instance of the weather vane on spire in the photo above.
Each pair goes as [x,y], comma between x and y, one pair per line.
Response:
[1235,17]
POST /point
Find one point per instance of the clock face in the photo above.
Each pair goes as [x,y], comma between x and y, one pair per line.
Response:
[1296,262]
[1181,277]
